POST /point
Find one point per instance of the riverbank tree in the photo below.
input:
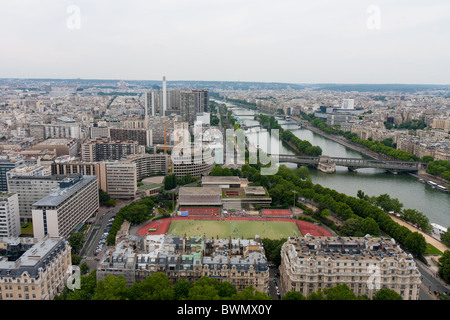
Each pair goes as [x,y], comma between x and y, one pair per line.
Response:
[285,181]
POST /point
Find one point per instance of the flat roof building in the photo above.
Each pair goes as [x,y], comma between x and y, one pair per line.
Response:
[121,179]
[221,181]
[104,149]
[73,202]
[200,196]
[32,188]
[118,178]
[9,215]
[5,166]
[62,146]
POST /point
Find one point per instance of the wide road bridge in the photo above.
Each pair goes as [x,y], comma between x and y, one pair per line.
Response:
[289,123]
[355,163]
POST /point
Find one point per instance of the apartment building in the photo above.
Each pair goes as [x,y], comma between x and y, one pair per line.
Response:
[441,124]
[73,202]
[5,166]
[142,136]
[27,170]
[45,131]
[70,166]
[197,161]
[9,215]
[237,261]
[121,179]
[103,149]
[31,189]
[365,264]
[149,164]
[166,128]
[180,102]
[118,178]
[99,132]
[32,268]
[438,149]
[241,262]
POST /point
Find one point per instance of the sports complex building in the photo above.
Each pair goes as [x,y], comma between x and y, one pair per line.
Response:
[221,194]
[230,198]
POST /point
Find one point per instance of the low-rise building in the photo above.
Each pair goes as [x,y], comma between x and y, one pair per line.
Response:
[221,181]
[200,196]
[63,146]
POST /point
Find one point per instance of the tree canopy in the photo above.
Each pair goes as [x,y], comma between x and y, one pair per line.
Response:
[157,286]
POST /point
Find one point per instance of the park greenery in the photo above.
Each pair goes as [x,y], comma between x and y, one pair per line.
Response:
[445,237]
[171,181]
[439,168]
[388,204]
[342,292]
[157,286]
[444,266]
[272,248]
[76,241]
[136,212]
[218,170]
[361,215]
[105,199]
[410,125]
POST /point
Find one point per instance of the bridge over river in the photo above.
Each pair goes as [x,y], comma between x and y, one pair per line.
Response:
[326,163]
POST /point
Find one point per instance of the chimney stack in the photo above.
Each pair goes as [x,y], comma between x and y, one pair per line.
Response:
[164,96]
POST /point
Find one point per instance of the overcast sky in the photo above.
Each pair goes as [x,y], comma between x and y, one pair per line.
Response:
[333,41]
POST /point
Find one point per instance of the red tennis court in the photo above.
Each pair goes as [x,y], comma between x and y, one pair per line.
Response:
[276,212]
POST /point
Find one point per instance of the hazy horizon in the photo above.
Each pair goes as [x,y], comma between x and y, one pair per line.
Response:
[195,80]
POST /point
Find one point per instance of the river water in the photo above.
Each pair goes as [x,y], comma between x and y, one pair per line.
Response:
[413,194]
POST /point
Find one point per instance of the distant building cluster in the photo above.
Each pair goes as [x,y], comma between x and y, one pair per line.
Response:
[370,115]
[52,132]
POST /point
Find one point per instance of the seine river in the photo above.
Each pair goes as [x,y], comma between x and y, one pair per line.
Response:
[409,191]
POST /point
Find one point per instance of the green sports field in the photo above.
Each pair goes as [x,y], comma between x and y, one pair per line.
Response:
[235,229]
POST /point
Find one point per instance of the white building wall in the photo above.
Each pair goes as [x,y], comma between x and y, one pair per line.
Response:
[9,216]
[38,223]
